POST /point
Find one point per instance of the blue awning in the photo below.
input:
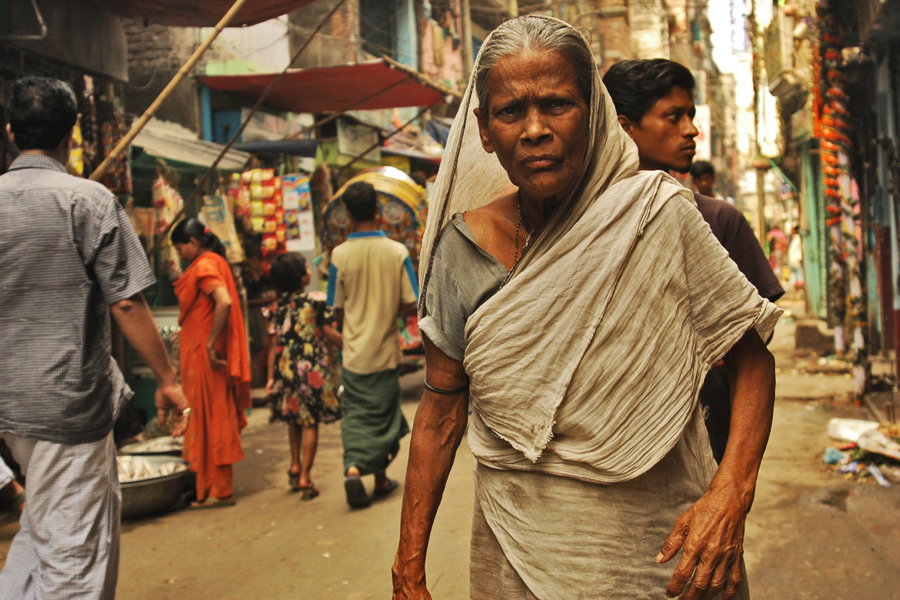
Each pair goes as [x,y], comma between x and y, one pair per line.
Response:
[294,147]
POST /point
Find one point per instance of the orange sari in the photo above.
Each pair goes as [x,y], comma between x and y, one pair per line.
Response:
[217,398]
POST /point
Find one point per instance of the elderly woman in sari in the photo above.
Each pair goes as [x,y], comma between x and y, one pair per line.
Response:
[579,313]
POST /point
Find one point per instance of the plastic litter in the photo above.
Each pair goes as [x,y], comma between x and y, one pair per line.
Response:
[876,473]
[853,467]
[850,429]
[833,456]
[877,442]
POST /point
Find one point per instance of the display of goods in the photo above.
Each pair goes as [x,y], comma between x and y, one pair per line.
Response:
[135,468]
[402,210]
[832,125]
[158,445]
[167,203]
[75,165]
[259,206]
[220,218]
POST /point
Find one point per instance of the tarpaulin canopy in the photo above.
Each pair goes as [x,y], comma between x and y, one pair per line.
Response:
[201,13]
[363,86]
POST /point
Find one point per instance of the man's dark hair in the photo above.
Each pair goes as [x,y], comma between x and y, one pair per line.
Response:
[42,112]
[636,85]
[361,201]
[288,271]
[701,168]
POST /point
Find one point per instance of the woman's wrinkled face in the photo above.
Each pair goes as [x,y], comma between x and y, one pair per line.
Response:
[537,123]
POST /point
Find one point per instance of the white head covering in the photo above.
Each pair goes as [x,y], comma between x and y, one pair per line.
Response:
[470,177]
[533,345]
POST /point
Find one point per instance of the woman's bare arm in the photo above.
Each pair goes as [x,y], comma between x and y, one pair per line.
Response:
[437,432]
[711,532]
[222,300]
[333,335]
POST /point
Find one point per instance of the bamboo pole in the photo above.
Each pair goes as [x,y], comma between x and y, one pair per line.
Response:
[426,81]
[203,181]
[164,95]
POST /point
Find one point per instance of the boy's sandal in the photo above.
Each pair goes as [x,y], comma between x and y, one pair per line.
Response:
[309,491]
[211,503]
[392,484]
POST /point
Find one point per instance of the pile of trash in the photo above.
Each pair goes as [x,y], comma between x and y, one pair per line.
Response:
[864,449]
[825,365]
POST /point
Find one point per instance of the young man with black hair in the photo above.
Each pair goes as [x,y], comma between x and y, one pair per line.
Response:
[703,174]
[655,105]
[69,257]
[370,281]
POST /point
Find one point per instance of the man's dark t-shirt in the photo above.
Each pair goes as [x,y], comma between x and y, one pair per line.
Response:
[734,233]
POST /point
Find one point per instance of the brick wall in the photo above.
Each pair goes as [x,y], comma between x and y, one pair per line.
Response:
[155,54]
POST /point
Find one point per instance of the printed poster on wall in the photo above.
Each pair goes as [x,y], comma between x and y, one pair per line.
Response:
[298,213]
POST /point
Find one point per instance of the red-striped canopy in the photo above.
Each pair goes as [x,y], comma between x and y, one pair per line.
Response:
[201,13]
[363,86]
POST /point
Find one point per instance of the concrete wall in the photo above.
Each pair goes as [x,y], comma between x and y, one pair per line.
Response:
[336,44]
[155,54]
[649,29]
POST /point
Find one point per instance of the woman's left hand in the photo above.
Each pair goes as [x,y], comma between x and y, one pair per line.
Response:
[214,360]
[711,536]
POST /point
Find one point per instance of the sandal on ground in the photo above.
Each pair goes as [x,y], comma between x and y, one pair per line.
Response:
[211,503]
[294,481]
[309,491]
[356,492]
[392,485]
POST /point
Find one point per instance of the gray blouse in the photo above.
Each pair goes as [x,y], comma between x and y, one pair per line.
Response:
[463,277]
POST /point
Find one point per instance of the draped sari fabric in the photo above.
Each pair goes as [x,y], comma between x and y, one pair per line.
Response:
[632,390]
[218,398]
[585,367]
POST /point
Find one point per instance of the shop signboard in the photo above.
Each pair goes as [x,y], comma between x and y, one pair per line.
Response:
[298,213]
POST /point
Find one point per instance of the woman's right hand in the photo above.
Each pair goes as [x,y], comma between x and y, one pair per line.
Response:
[270,383]
[408,588]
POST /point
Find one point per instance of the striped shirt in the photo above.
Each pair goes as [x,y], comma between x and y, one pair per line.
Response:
[370,277]
[67,252]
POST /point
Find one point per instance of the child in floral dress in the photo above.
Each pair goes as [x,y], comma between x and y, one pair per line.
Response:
[300,365]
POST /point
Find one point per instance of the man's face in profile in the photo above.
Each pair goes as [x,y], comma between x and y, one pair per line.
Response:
[665,135]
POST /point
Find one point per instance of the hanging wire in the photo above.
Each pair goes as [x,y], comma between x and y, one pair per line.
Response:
[203,181]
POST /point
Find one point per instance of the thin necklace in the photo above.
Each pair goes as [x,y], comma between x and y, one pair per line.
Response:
[516,257]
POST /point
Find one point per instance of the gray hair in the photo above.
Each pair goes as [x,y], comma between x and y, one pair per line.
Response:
[531,33]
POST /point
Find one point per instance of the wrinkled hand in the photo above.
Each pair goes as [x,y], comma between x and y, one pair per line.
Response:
[217,363]
[711,536]
[406,588]
[171,397]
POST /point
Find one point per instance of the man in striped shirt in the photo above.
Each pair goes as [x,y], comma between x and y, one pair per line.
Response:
[69,258]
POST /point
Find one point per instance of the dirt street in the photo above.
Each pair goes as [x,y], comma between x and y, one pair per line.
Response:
[811,535]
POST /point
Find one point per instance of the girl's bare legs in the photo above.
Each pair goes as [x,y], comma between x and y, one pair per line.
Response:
[294,436]
[310,442]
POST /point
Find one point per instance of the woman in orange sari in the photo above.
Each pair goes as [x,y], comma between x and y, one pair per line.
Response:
[215,364]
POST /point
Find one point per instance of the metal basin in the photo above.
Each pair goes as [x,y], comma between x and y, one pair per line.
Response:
[151,496]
